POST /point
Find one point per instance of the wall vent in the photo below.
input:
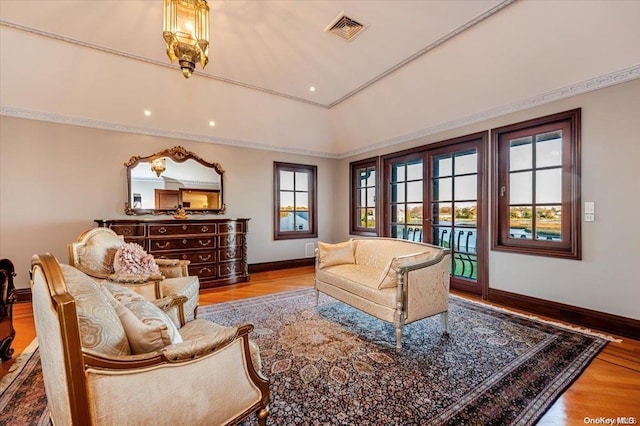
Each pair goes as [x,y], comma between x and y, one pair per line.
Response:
[345,27]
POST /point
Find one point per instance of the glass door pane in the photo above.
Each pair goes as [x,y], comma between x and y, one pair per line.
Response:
[453,200]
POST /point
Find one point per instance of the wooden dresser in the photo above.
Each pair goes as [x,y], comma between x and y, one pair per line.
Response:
[217,248]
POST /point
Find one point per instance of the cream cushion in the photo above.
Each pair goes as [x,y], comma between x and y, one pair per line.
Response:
[148,328]
[100,327]
[389,276]
[143,338]
[335,254]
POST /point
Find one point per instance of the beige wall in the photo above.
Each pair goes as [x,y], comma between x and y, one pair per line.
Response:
[56,179]
[607,278]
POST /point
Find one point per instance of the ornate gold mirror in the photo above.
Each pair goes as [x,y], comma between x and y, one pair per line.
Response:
[172,179]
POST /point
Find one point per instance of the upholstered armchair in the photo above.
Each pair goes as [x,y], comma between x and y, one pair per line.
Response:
[94,251]
[110,357]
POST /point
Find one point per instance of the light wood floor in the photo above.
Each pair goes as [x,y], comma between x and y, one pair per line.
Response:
[609,387]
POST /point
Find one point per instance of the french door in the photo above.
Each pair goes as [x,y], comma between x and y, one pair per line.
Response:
[437,196]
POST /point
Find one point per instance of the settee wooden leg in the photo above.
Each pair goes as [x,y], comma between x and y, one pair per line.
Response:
[398,339]
[444,319]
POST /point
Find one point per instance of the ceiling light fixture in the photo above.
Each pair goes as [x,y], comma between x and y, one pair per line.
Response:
[147,112]
[312,89]
[212,123]
[186,32]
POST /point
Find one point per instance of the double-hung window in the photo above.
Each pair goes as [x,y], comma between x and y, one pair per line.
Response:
[295,201]
[536,198]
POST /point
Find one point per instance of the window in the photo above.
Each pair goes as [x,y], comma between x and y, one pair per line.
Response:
[536,203]
[295,201]
[364,215]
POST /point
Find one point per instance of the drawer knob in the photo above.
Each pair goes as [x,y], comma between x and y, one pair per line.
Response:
[204,258]
[162,230]
[184,241]
[205,270]
[204,243]
[204,229]
[184,227]
[163,245]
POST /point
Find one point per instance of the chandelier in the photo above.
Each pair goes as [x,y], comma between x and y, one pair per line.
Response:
[186,33]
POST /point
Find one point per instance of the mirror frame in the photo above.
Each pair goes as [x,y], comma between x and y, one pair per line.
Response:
[180,155]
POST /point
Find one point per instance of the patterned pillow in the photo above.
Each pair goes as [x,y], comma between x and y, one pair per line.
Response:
[335,254]
[100,327]
[147,327]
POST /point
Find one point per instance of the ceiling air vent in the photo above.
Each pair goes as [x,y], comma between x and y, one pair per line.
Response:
[345,27]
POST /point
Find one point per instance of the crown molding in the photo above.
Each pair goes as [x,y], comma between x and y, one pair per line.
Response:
[116,127]
[586,86]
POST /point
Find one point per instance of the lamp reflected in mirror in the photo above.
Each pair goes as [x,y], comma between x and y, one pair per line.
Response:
[158,166]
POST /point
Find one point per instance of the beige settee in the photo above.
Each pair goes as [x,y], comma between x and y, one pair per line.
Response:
[396,281]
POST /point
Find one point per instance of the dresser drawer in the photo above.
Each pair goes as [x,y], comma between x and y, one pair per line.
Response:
[230,253]
[228,269]
[169,244]
[194,258]
[203,271]
[128,231]
[231,240]
[230,227]
[184,228]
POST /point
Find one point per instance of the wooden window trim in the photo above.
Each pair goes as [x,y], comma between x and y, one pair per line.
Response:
[354,229]
[571,199]
[313,205]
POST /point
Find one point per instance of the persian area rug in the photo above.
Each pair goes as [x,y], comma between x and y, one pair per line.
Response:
[334,365]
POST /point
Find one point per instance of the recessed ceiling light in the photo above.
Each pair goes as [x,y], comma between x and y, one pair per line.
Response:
[312,88]
[212,123]
[147,112]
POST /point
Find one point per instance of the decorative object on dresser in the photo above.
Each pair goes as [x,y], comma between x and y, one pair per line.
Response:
[7,332]
[216,248]
[174,182]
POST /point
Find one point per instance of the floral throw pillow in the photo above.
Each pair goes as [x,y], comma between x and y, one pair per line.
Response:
[132,259]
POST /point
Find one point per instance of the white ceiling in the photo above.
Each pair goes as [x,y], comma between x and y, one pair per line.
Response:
[74,61]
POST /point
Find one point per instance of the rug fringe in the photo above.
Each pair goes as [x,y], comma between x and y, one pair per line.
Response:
[579,329]
[18,365]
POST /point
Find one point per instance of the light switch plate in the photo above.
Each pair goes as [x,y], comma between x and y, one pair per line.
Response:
[589,207]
